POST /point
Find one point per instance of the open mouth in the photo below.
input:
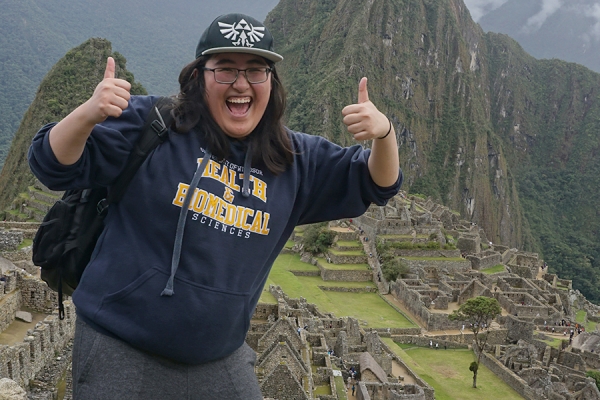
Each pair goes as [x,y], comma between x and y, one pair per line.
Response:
[239,105]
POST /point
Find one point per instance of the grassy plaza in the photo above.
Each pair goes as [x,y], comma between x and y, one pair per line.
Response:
[447,371]
[368,308]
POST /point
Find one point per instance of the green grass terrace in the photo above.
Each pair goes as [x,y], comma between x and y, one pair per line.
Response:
[367,307]
[494,270]
[447,371]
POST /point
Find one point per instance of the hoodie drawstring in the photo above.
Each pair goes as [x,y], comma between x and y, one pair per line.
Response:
[168,291]
[246,184]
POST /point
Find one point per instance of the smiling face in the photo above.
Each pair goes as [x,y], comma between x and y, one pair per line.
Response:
[236,107]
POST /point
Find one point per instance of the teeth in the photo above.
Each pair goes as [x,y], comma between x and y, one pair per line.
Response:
[240,101]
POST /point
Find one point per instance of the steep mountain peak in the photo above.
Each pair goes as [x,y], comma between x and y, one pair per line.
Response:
[68,84]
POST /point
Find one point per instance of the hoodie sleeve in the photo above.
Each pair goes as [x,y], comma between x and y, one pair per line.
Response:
[104,156]
[336,182]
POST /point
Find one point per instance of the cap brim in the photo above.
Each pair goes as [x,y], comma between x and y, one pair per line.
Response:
[269,55]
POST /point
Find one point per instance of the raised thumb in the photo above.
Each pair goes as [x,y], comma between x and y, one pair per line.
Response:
[363,94]
[109,72]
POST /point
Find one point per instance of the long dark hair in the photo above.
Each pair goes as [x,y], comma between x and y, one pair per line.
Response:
[269,142]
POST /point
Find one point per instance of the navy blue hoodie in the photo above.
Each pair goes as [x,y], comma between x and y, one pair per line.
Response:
[230,241]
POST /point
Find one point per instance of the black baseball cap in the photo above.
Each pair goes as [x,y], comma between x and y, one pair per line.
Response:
[237,33]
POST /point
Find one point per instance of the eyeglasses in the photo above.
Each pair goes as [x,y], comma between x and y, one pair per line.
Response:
[230,75]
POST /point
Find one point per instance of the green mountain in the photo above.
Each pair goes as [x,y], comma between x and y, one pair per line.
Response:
[509,141]
[68,84]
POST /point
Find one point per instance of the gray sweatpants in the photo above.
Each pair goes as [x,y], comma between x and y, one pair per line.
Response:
[105,368]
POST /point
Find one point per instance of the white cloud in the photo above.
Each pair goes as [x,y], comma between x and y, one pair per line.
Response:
[585,10]
[478,8]
[593,12]
[549,7]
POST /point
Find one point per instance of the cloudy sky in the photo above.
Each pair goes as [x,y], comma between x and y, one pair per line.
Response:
[586,8]
[478,8]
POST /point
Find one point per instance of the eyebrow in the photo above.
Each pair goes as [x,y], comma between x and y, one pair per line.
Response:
[252,61]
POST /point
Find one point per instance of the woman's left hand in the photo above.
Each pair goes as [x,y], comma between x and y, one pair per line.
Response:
[363,120]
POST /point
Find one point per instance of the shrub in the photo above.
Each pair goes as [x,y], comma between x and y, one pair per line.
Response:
[317,238]
[596,376]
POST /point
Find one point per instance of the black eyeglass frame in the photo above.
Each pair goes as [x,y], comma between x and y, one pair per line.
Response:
[268,70]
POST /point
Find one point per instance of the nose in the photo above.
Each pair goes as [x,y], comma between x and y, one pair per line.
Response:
[241,83]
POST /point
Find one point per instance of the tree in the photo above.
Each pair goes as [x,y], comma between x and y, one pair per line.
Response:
[391,265]
[478,312]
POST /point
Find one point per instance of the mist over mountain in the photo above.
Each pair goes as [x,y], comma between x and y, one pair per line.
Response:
[158,37]
[567,30]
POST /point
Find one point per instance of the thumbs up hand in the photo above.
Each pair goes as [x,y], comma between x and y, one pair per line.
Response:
[110,97]
[363,120]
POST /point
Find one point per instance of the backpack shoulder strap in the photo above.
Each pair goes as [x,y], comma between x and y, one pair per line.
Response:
[154,132]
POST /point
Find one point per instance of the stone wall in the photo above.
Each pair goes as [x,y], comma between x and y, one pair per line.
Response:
[280,383]
[523,305]
[11,303]
[22,361]
[509,377]
[25,227]
[429,391]
[427,253]
[474,289]
[443,341]
[470,244]
[484,260]
[592,360]
[366,289]
[344,275]
[23,254]
[522,271]
[274,356]
[517,329]
[451,266]
[452,341]
[372,226]
[36,294]
[10,240]
[347,259]
[414,302]
[389,391]
[263,311]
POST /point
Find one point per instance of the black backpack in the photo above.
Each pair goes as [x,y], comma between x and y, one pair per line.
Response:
[66,238]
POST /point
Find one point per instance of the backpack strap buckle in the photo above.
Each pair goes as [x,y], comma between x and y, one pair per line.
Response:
[158,125]
[102,206]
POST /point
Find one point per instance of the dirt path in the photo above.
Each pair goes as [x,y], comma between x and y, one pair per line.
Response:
[17,329]
[399,370]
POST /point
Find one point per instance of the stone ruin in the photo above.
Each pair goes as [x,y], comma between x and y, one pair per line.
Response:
[303,352]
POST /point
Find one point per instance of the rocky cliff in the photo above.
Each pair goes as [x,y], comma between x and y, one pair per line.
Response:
[480,122]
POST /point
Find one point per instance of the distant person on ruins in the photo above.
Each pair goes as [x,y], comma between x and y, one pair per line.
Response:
[165,303]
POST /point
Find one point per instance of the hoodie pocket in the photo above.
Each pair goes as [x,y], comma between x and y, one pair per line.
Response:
[195,325]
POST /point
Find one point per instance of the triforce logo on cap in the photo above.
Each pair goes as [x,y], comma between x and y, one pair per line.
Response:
[237,33]
[248,34]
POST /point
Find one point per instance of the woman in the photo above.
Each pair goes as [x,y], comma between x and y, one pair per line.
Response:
[165,303]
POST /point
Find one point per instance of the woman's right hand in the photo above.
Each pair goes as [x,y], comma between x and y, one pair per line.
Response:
[110,97]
